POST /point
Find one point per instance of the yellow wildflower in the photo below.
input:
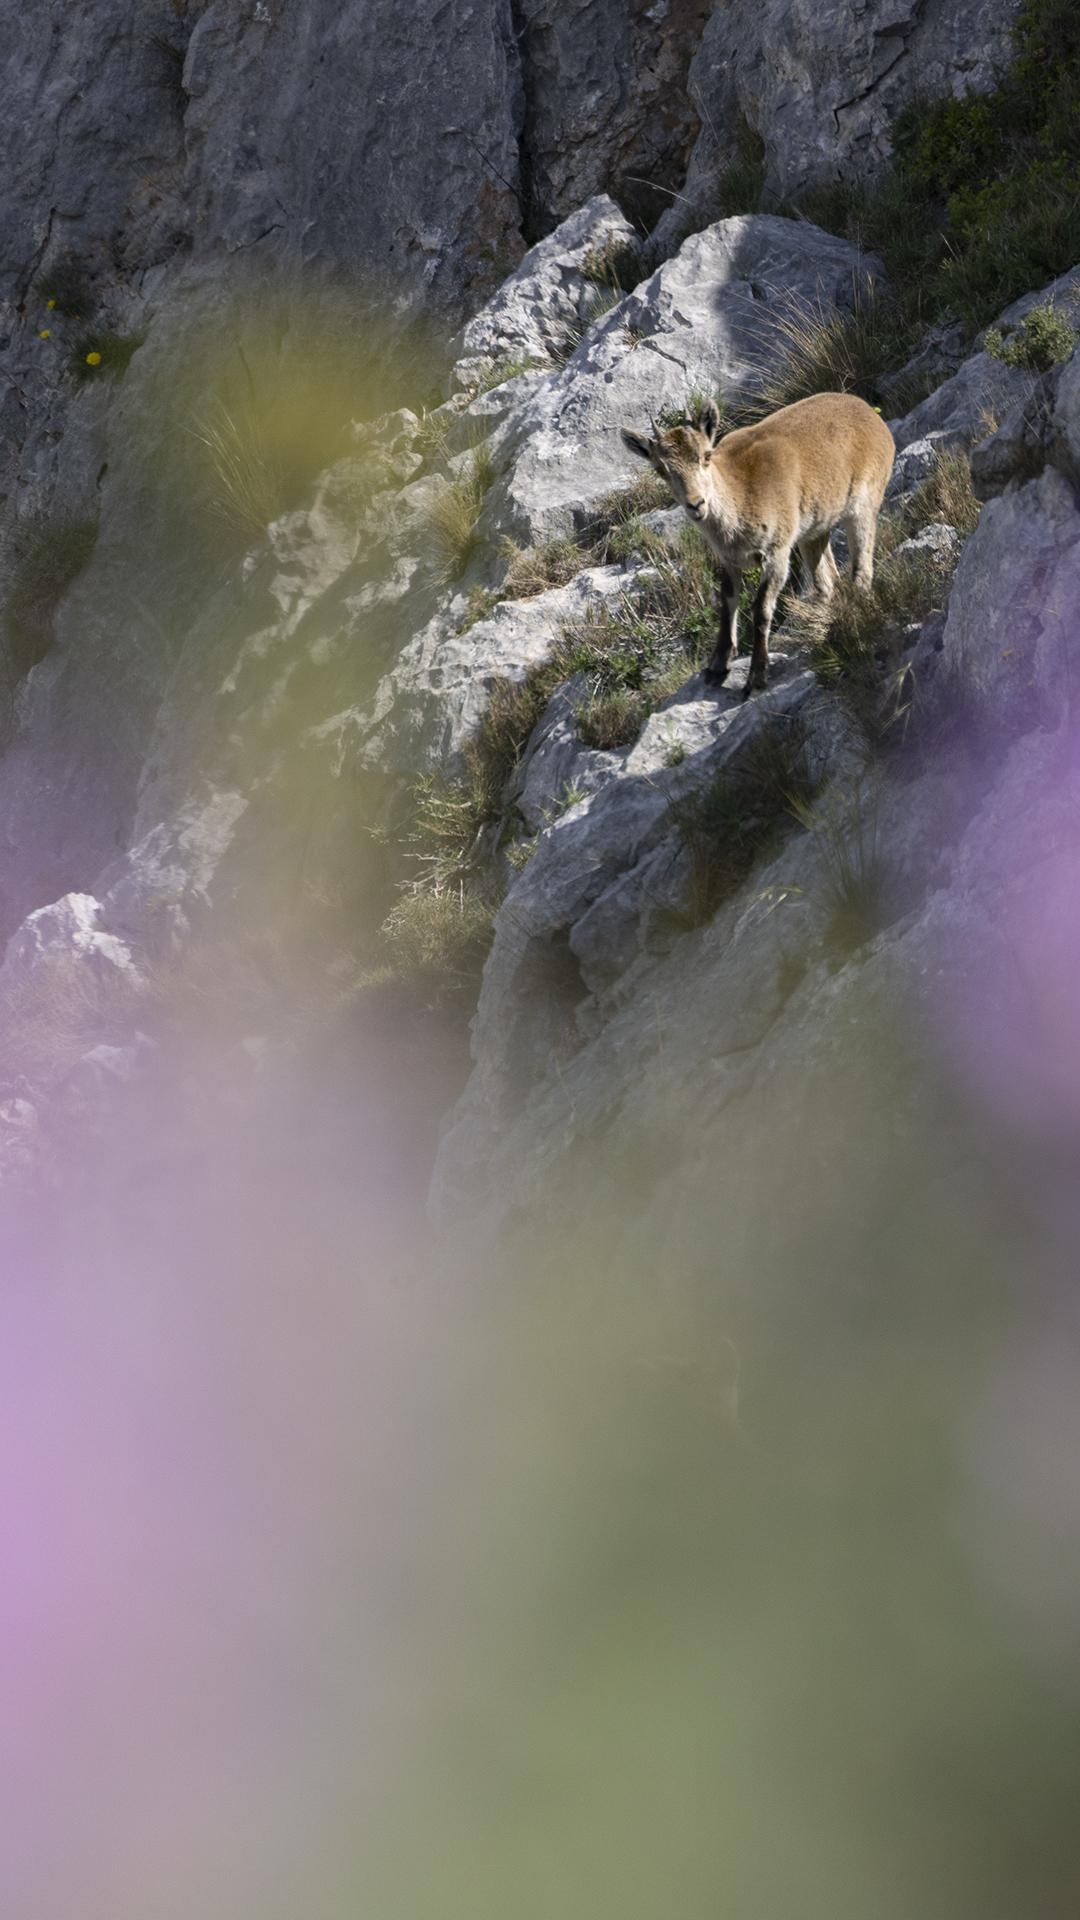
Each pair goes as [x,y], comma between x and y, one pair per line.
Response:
[44,333]
[50,304]
[93,359]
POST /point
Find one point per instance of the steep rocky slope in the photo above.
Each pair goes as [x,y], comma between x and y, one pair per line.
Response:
[264,716]
[537,1197]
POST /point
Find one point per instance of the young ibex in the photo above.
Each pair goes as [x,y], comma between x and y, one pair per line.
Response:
[762,490]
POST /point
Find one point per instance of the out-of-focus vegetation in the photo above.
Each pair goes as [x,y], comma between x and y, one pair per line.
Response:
[49,555]
[723,1614]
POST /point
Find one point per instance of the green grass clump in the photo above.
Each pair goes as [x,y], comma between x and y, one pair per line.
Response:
[643,495]
[433,437]
[49,556]
[480,605]
[741,816]
[1043,337]
[613,532]
[632,537]
[613,719]
[451,519]
[689,412]
[982,201]
[857,638]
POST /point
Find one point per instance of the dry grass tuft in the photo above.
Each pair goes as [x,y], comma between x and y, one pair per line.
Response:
[821,349]
[946,494]
[532,570]
[247,482]
[857,638]
[451,519]
[437,939]
[643,495]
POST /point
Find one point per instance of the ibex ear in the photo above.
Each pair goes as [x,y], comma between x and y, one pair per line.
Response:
[708,421]
[638,443]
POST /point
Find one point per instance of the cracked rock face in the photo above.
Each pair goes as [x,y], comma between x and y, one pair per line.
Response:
[822,83]
[607,102]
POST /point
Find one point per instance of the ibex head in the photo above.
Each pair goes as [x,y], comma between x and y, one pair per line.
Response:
[681,455]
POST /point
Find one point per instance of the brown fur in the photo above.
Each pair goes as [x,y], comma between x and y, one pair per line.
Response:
[760,492]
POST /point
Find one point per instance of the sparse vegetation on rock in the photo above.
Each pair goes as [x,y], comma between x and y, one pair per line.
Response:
[1045,336]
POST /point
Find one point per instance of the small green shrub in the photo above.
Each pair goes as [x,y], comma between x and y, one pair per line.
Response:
[49,555]
[1043,337]
[982,201]
[452,518]
[741,815]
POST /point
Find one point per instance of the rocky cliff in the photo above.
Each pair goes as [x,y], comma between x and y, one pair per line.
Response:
[472,1095]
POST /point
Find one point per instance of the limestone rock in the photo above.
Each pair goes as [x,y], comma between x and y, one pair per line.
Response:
[432,702]
[541,309]
[706,319]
